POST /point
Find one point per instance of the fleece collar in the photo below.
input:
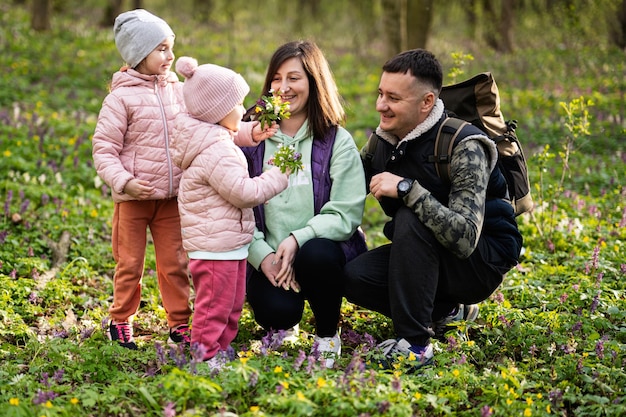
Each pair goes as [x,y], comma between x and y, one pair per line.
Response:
[419,130]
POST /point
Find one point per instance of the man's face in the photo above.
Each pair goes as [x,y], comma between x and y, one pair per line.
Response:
[400,103]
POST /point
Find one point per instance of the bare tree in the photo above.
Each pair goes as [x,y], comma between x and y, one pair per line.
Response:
[618,28]
[112,9]
[41,10]
[406,23]
[498,24]
[202,10]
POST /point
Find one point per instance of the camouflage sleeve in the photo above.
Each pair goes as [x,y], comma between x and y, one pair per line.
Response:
[457,227]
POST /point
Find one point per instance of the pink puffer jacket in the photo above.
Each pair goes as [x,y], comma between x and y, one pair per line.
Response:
[216,192]
[132,135]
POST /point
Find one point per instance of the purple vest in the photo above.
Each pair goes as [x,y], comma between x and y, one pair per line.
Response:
[320,165]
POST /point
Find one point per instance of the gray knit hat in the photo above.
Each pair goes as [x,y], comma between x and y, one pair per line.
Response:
[210,91]
[137,33]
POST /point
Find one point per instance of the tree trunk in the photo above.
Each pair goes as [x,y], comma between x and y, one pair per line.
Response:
[618,28]
[391,27]
[418,20]
[111,11]
[498,24]
[202,10]
[41,15]
[406,24]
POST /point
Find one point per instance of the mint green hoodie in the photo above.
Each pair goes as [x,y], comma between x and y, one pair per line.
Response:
[291,212]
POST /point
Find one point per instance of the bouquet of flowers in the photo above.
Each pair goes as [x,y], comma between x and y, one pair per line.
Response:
[271,108]
[285,158]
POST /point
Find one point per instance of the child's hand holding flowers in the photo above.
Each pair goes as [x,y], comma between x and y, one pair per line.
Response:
[271,108]
[287,159]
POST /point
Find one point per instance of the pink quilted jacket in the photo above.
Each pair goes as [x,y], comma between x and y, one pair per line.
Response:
[132,135]
[216,192]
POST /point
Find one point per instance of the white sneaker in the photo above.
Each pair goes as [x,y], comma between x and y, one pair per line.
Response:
[328,348]
[286,336]
[292,335]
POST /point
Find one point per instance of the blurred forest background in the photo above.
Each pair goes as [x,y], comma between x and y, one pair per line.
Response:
[531,46]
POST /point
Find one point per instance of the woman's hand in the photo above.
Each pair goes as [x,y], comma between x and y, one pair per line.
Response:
[278,267]
[285,256]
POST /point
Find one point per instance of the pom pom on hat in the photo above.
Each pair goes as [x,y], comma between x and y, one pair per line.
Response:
[210,91]
[137,33]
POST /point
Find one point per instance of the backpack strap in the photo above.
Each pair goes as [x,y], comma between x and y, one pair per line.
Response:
[367,152]
[446,135]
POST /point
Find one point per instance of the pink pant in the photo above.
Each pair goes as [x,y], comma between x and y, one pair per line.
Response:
[129,238]
[220,288]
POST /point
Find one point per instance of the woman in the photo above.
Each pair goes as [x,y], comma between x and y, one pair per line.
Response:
[306,234]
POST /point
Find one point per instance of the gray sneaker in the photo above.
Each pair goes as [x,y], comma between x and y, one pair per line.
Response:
[398,351]
[463,312]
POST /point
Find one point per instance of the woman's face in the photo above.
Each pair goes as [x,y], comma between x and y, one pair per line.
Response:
[293,84]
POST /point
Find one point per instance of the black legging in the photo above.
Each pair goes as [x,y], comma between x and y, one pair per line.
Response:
[319,271]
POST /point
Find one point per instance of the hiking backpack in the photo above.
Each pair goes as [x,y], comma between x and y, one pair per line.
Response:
[477,101]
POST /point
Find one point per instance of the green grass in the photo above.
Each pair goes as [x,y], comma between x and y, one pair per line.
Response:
[550,341]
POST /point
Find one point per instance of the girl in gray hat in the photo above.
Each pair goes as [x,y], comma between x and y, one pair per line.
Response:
[131,154]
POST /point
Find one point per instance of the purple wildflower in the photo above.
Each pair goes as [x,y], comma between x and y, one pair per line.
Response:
[58,375]
[299,360]
[86,333]
[44,396]
[24,206]
[45,198]
[595,302]
[462,360]
[555,396]
[486,411]
[169,410]
[383,407]
[600,347]
[396,385]
[452,343]
[3,236]
[7,203]
[254,379]
[576,327]
[563,298]
[45,381]
[160,353]
[599,277]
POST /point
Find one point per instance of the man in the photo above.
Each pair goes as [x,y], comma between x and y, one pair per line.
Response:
[450,244]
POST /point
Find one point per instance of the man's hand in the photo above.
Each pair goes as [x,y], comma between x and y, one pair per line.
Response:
[385,184]
[139,189]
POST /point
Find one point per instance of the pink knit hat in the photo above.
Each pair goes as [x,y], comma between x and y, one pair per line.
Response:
[210,91]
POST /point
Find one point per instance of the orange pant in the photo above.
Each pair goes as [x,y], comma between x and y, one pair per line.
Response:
[130,222]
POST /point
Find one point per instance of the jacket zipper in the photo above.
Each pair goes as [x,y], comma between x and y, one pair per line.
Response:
[167,141]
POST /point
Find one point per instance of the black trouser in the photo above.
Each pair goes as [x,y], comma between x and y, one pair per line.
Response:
[415,280]
[319,271]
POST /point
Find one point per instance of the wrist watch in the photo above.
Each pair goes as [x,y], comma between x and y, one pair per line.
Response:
[404,186]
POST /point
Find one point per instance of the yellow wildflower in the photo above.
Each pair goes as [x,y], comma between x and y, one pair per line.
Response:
[14,401]
[456,373]
[278,369]
[321,382]
[254,408]
[7,153]
[74,401]
[528,412]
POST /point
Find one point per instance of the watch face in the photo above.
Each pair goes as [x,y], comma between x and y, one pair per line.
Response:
[404,186]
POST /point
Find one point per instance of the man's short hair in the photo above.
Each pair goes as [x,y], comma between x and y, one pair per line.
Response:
[421,63]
